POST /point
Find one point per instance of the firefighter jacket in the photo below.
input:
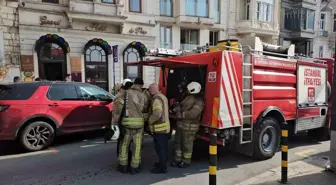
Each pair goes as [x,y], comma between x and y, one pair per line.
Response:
[191,110]
[159,114]
[147,104]
[134,103]
[118,105]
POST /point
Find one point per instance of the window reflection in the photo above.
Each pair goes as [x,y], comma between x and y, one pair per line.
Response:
[51,52]
[96,66]
[131,55]
[197,8]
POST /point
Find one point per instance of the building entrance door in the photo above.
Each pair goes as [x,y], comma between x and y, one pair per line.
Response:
[52,62]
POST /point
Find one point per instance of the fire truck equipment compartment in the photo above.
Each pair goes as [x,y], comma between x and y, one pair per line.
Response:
[176,76]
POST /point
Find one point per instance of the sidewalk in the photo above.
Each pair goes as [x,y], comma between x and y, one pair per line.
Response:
[306,172]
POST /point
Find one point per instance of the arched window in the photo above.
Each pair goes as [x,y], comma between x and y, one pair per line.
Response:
[96,66]
[131,54]
[51,53]
[52,65]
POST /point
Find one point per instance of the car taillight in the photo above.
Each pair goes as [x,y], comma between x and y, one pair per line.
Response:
[3,108]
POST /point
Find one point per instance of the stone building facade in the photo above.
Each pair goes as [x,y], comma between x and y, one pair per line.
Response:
[9,41]
[60,37]
[309,25]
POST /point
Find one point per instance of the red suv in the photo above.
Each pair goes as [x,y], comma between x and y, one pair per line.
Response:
[34,113]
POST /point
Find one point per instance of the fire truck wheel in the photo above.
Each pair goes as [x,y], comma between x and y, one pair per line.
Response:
[267,139]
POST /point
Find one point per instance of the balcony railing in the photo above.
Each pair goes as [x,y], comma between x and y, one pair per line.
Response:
[324,33]
[166,8]
[188,47]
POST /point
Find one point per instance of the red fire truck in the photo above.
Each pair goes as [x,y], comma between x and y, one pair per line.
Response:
[251,91]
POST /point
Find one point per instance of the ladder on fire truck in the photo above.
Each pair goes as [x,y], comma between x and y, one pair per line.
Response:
[246,132]
[257,47]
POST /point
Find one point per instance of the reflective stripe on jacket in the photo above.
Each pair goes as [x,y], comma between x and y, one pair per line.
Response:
[159,115]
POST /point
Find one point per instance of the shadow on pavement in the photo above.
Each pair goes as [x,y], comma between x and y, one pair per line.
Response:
[314,175]
[320,178]
[97,165]
[13,147]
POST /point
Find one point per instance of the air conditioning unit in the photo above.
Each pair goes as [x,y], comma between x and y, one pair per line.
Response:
[324,33]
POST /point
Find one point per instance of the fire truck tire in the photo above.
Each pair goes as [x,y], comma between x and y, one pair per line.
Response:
[266,139]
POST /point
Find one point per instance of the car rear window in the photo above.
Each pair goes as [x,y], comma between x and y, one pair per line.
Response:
[17,91]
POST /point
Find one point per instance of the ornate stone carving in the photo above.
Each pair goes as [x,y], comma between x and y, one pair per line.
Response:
[44,21]
[137,30]
[96,27]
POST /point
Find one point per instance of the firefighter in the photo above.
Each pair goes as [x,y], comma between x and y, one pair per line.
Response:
[133,122]
[159,125]
[188,114]
[118,87]
[118,109]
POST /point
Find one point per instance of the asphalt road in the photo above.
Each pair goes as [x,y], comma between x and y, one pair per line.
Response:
[85,160]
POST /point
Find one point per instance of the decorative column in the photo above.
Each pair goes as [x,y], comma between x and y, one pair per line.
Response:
[68,63]
[110,72]
[36,65]
[83,68]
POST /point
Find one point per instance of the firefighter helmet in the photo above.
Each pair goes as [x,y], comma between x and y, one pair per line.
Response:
[194,88]
[125,81]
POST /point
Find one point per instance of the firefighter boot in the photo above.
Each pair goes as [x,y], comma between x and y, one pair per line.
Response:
[175,164]
[134,171]
[122,169]
[183,165]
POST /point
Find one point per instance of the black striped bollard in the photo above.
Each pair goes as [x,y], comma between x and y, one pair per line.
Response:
[284,153]
[213,158]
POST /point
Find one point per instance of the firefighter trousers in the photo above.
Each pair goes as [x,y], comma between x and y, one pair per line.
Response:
[184,142]
[135,136]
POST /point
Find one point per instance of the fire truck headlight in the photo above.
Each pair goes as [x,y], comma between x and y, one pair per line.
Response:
[232,132]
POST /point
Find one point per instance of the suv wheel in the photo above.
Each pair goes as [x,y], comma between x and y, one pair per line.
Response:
[37,136]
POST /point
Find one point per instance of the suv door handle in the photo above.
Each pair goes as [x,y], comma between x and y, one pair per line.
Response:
[53,105]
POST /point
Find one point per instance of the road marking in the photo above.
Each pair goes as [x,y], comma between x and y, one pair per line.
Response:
[102,142]
[53,150]
[305,153]
[28,154]
[86,146]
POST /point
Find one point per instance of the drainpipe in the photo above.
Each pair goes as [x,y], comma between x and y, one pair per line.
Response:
[279,20]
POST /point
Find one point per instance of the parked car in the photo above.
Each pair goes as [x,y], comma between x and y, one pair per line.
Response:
[35,112]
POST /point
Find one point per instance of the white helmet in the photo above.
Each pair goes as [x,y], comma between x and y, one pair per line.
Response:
[125,81]
[194,88]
